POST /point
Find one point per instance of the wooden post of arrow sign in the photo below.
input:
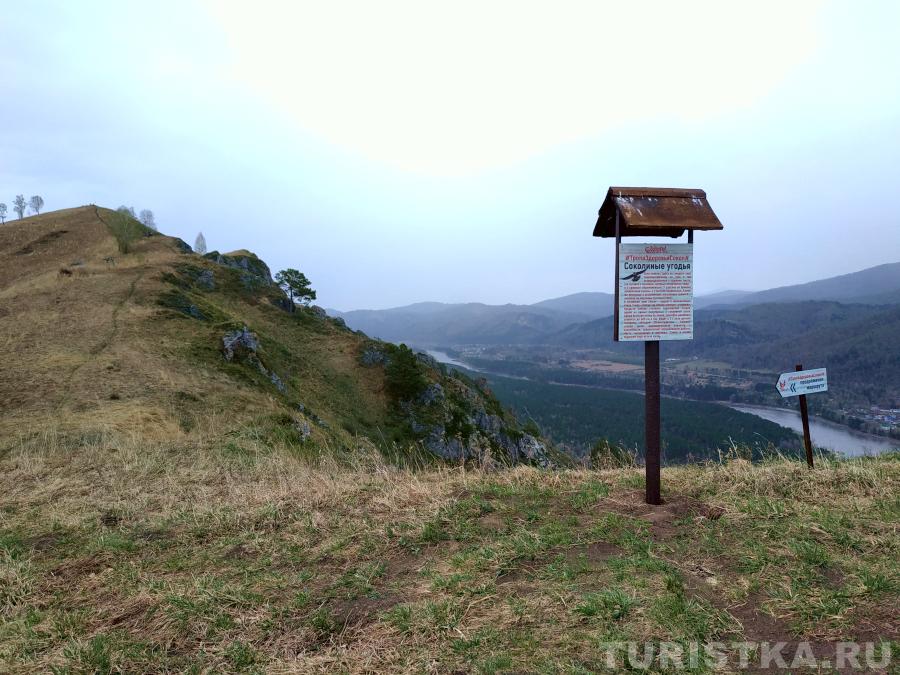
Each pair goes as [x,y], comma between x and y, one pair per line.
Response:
[804,415]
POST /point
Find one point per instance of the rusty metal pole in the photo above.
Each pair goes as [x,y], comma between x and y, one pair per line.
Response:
[651,420]
[804,416]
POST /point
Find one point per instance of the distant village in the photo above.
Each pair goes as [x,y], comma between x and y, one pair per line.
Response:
[886,419]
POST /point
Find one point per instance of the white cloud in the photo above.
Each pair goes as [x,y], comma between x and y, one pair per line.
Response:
[451,88]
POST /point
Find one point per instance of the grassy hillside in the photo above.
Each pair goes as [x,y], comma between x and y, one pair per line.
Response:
[118,556]
[116,329]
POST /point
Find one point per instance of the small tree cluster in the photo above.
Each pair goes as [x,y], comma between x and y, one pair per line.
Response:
[404,375]
[36,203]
[145,217]
[127,228]
[296,285]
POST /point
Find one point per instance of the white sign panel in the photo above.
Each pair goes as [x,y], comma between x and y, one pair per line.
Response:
[802,382]
[655,297]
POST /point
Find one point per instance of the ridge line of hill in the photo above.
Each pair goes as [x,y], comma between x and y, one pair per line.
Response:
[157,340]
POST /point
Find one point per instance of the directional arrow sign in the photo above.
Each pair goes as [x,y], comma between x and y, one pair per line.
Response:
[800,382]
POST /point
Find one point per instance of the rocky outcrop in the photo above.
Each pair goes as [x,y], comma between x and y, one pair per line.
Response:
[176,300]
[458,427]
[451,416]
[277,381]
[302,427]
[533,450]
[490,424]
[449,448]
[181,246]
[242,346]
[206,280]
[428,361]
[282,303]
[373,355]
[434,393]
[254,272]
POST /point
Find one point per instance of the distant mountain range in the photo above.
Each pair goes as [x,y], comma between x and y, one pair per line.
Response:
[562,320]
[436,323]
[873,286]
[427,324]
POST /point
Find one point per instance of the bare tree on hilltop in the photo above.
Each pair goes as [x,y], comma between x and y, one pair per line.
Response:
[19,206]
[127,210]
[146,217]
[2,212]
[36,203]
[200,244]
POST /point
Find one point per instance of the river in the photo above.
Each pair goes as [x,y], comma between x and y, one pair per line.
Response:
[444,357]
[824,434]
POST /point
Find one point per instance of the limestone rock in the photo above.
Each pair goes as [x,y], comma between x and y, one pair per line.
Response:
[429,361]
[533,450]
[448,448]
[181,246]
[490,424]
[373,356]
[282,303]
[277,381]
[434,393]
[239,344]
[207,280]
[303,429]
[254,272]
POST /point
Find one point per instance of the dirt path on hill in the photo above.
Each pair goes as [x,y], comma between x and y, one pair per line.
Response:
[104,343]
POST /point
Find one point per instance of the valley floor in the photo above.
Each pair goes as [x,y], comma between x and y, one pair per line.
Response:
[123,556]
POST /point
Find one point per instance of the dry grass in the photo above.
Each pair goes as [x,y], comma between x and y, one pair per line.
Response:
[158,512]
[93,347]
[126,555]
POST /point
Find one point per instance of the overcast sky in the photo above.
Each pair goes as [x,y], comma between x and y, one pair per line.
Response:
[400,152]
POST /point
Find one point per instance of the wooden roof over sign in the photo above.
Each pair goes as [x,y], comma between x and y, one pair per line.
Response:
[656,212]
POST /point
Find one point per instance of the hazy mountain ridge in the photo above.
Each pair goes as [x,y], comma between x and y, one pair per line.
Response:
[560,320]
[879,285]
[441,324]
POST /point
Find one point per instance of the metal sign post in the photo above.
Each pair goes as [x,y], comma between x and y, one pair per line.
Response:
[654,287]
[800,383]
